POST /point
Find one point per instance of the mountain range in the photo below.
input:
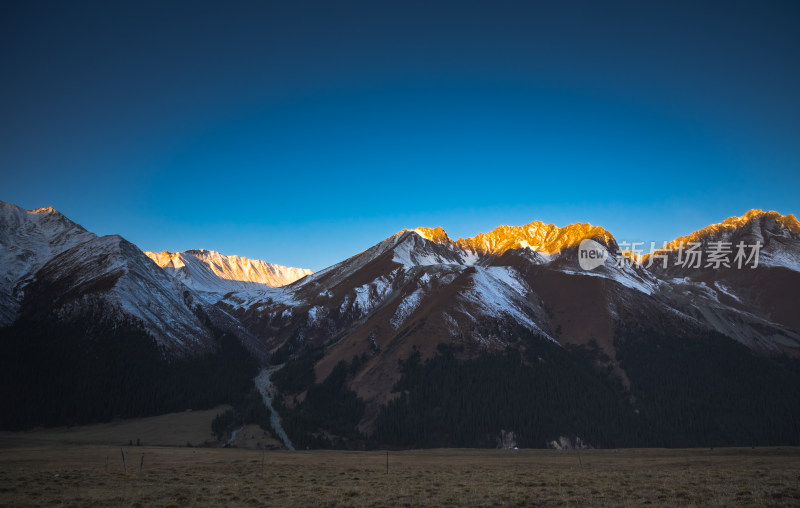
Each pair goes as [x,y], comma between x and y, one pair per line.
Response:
[422,340]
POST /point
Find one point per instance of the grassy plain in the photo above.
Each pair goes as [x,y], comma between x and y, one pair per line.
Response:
[175,429]
[93,475]
[83,466]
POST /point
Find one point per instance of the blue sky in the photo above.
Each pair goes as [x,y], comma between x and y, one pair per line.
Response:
[304,132]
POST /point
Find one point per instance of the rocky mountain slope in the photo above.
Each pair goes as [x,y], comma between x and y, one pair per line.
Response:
[55,270]
[478,289]
[214,273]
[421,300]
[94,329]
[419,289]
[744,281]
[28,239]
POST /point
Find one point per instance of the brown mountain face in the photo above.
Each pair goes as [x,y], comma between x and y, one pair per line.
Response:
[524,289]
[750,290]
[53,270]
[777,235]
[91,329]
[419,288]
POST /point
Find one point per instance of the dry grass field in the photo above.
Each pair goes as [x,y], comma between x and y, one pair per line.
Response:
[93,475]
[83,466]
[176,429]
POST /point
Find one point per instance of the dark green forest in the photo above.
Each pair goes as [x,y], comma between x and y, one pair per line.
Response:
[709,390]
[58,374]
[540,392]
[692,389]
[329,413]
[706,390]
[249,408]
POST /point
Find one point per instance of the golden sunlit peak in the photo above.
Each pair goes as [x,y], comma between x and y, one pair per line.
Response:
[787,221]
[436,234]
[732,224]
[537,235]
[46,209]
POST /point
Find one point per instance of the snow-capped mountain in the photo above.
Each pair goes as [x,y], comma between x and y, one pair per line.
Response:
[778,237]
[212,272]
[485,277]
[417,283]
[744,279]
[110,279]
[28,239]
[53,269]
[547,239]
[410,293]
[93,329]
[419,288]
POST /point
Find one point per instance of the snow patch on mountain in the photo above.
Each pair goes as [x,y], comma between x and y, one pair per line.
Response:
[246,299]
[369,296]
[406,308]
[781,257]
[315,314]
[510,278]
[722,288]
[418,250]
[28,240]
[452,324]
[497,292]
[630,276]
[113,274]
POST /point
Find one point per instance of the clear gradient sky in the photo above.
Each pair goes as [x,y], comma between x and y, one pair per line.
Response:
[304,132]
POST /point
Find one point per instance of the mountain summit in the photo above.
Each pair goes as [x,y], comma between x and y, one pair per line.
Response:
[778,237]
[540,237]
[421,340]
[28,239]
[209,271]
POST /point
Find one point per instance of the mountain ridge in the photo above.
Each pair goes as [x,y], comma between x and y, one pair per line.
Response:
[210,271]
[29,238]
[419,294]
[538,236]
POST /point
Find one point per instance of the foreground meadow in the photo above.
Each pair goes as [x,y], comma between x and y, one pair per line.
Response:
[92,475]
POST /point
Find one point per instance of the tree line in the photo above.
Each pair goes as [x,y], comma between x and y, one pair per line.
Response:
[54,374]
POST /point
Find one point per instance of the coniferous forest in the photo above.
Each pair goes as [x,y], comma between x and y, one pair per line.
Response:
[709,390]
[702,391]
[328,415]
[58,374]
[539,392]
